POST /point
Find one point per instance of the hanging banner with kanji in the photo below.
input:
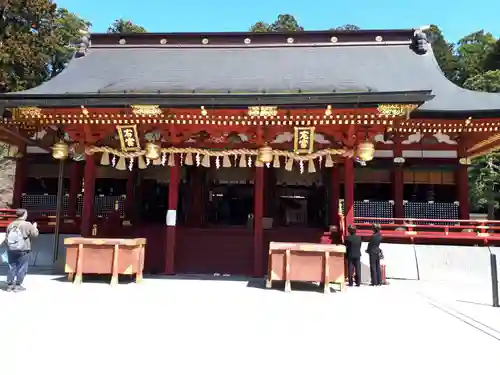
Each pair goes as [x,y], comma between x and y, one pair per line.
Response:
[303,141]
[129,137]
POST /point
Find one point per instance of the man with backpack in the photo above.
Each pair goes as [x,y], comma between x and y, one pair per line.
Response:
[18,240]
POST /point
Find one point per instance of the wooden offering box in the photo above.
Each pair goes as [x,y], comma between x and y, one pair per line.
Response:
[104,256]
[306,262]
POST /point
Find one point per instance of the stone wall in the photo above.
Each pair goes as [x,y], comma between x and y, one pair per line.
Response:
[7,176]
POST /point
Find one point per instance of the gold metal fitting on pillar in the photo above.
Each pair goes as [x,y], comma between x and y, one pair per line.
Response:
[94,230]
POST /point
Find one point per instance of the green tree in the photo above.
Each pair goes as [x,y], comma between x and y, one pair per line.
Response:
[122,26]
[484,183]
[347,27]
[444,53]
[27,39]
[68,34]
[37,41]
[488,81]
[484,174]
[492,61]
[284,23]
[473,51]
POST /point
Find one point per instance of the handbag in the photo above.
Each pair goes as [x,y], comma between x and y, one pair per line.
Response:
[381,254]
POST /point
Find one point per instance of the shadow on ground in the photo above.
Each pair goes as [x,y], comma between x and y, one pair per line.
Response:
[3,286]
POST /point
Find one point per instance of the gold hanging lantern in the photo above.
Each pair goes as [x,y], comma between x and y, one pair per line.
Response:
[60,151]
[152,151]
[365,151]
[265,154]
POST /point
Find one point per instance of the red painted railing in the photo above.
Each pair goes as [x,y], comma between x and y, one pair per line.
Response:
[433,230]
[46,221]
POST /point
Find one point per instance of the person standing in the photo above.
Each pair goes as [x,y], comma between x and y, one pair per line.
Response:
[353,254]
[375,254]
[18,240]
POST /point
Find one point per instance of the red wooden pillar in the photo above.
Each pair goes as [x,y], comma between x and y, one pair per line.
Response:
[349,191]
[171,219]
[75,186]
[269,191]
[19,179]
[334,195]
[258,231]
[462,182]
[398,180]
[197,196]
[89,176]
[129,199]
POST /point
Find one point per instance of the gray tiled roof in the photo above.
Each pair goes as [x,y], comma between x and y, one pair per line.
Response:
[271,69]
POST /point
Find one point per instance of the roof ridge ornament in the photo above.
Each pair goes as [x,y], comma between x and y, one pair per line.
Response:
[84,44]
[420,42]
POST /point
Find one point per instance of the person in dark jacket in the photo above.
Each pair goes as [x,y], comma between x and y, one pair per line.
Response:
[375,254]
[353,254]
[18,240]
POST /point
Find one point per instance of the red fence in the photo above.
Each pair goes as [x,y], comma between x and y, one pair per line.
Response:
[433,230]
[46,220]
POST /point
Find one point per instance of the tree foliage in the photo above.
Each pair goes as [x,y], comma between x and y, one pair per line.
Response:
[488,81]
[121,26]
[444,52]
[347,27]
[37,40]
[484,189]
[284,22]
[472,52]
[68,34]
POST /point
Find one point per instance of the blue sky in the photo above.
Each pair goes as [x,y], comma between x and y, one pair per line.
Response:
[455,17]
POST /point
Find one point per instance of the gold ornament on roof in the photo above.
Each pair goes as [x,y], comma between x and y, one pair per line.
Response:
[203,111]
[328,111]
[33,112]
[146,110]
[396,110]
[262,111]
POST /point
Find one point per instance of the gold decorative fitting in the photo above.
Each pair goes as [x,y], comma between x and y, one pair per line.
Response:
[465,161]
[85,111]
[262,111]
[146,110]
[60,151]
[152,151]
[265,154]
[303,140]
[203,111]
[129,137]
[396,109]
[365,151]
[28,112]
[328,111]
[245,156]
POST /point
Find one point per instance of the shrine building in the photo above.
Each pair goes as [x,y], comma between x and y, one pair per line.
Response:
[211,145]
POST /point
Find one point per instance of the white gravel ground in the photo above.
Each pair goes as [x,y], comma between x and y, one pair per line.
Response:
[174,326]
